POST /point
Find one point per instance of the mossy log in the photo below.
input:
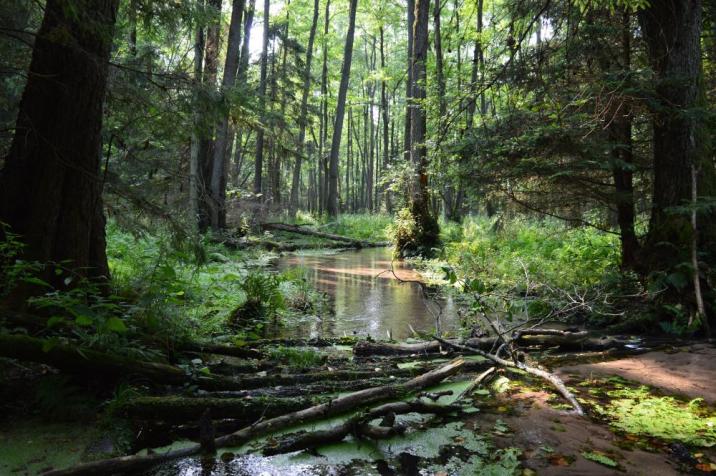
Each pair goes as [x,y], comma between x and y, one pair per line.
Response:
[337,406]
[545,338]
[243,352]
[183,409]
[72,358]
[342,375]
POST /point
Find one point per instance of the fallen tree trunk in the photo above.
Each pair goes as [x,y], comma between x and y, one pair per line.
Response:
[182,409]
[564,339]
[357,425]
[100,364]
[222,349]
[334,407]
[345,375]
[329,236]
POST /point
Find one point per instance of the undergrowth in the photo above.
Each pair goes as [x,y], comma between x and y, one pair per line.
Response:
[532,269]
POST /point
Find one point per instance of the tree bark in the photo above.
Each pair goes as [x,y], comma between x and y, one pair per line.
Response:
[51,184]
[672,32]
[332,207]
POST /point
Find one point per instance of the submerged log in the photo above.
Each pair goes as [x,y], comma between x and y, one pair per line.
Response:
[334,407]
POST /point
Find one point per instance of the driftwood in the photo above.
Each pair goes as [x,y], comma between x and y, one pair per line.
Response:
[555,381]
[334,407]
[319,234]
[357,425]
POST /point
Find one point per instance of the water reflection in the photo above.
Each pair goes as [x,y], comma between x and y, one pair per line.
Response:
[367,297]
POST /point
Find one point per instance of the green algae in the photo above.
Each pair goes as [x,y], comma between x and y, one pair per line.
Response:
[33,446]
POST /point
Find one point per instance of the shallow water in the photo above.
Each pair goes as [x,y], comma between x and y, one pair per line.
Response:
[366,296]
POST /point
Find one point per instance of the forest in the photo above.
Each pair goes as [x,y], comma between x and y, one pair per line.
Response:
[356,237]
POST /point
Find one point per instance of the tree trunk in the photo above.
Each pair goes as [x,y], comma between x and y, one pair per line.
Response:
[340,112]
[293,206]
[241,78]
[620,131]
[259,158]
[427,232]
[386,119]
[211,68]
[51,184]
[409,81]
[231,65]
[195,135]
[672,32]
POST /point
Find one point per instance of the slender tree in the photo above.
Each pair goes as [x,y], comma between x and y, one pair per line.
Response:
[241,79]
[259,158]
[340,112]
[296,182]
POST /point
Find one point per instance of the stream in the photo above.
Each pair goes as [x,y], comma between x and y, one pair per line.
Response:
[366,297]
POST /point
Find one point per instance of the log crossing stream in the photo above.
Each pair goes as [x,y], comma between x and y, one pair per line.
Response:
[366,297]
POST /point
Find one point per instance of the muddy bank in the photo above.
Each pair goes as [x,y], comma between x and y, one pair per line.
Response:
[685,371]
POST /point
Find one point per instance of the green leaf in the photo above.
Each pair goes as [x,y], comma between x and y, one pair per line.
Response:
[115,324]
[83,320]
[600,458]
[55,321]
[48,345]
[37,281]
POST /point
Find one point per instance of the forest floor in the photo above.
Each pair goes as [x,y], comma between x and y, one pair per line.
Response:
[651,413]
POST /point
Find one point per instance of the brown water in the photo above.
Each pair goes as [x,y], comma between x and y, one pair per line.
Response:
[367,298]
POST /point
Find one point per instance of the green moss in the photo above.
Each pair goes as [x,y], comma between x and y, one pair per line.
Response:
[637,411]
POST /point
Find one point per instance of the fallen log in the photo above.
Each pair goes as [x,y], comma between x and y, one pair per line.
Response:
[320,234]
[555,381]
[182,409]
[344,375]
[71,358]
[334,407]
[564,339]
[222,349]
[358,425]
